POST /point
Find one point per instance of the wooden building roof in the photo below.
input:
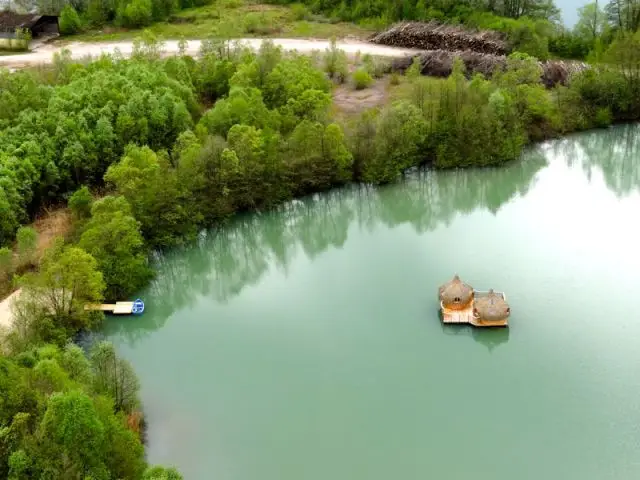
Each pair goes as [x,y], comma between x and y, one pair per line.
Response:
[9,21]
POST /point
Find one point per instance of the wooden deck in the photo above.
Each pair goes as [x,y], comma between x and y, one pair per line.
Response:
[118,308]
[465,317]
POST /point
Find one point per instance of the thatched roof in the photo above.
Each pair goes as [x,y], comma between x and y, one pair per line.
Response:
[491,307]
[436,36]
[439,63]
[455,292]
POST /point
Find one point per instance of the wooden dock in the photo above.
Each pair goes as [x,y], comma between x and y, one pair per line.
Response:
[466,316]
[118,308]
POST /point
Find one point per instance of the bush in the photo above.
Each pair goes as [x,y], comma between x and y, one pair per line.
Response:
[300,12]
[69,21]
[376,68]
[335,63]
[361,79]
[138,13]
[259,24]
[603,117]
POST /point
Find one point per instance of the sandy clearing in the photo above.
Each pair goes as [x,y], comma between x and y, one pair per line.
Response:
[43,54]
[5,310]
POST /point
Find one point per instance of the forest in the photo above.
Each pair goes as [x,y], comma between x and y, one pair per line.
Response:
[146,152]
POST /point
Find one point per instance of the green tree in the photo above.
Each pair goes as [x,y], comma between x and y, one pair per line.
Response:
[68,280]
[399,141]
[27,243]
[591,22]
[624,55]
[72,437]
[243,106]
[69,21]
[76,364]
[80,203]
[114,377]
[113,238]
[158,201]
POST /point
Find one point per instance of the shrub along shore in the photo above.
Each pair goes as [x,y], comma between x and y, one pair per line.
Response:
[176,145]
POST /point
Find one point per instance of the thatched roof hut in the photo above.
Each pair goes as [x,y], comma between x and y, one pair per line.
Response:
[455,294]
[437,36]
[491,307]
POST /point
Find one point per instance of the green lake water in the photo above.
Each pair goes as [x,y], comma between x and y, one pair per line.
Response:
[305,344]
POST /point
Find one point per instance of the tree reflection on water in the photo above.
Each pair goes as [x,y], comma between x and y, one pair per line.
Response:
[614,152]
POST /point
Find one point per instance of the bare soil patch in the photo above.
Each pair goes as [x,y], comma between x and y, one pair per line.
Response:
[52,224]
[350,101]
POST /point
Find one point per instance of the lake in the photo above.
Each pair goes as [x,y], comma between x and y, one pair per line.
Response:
[305,343]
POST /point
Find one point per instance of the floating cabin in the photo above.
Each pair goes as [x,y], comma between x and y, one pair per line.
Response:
[461,304]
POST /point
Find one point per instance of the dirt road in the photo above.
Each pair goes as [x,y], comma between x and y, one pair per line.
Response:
[43,54]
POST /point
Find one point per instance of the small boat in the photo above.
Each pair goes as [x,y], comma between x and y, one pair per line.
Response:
[138,307]
[460,303]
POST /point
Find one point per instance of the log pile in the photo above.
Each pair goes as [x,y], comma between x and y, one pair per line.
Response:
[436,36]
[439,63]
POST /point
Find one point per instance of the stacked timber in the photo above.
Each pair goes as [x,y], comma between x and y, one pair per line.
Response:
[436,36]
[439,63]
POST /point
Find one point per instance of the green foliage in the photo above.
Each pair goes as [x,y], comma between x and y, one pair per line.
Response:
[242,106]
[68,279]
[400,133]
[603,117]
[114,377]
[80,203]
[300,12]
[259,24]
[335,63]
[137,13]
[63,416]
[157,199]
[69,20]
[160,473]
[6,264]
[27,243]
[319,156]
[361,79]
[113,238]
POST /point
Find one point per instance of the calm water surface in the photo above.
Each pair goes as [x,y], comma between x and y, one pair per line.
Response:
[306,344]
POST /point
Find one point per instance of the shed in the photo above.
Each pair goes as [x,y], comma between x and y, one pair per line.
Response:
[38,25]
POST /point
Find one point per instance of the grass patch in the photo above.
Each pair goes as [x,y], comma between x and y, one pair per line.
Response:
[236,19]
